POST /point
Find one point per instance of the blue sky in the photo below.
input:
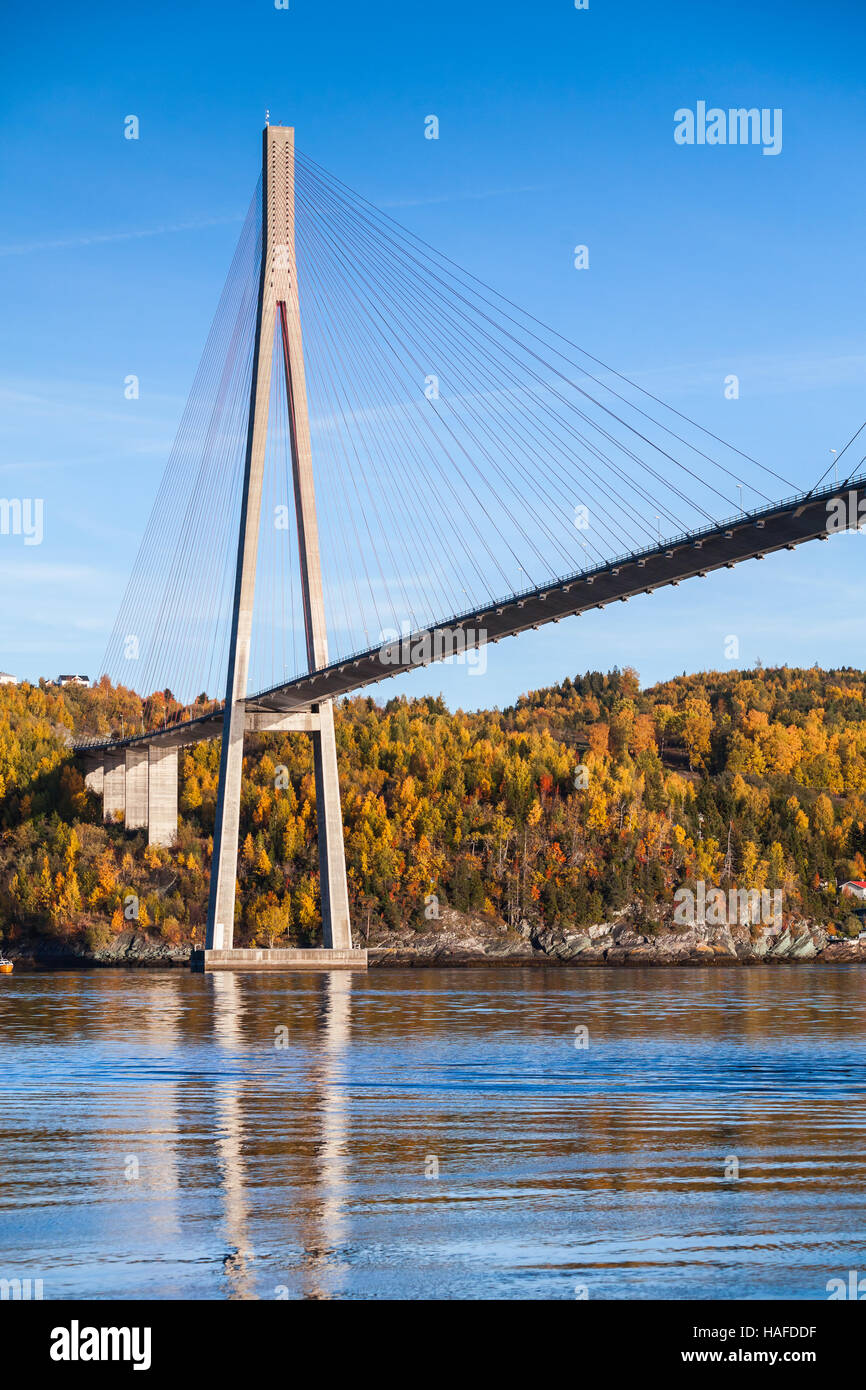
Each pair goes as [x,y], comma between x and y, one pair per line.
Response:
[556,128]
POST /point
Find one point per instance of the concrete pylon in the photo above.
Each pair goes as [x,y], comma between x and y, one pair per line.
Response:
[162,795]
[114,785]
[135,811]
[334,892]
[278,297]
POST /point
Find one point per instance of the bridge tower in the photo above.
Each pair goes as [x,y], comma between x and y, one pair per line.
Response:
[279,319]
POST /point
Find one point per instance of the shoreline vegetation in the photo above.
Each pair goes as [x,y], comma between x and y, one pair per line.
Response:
[567,828]
[467,941]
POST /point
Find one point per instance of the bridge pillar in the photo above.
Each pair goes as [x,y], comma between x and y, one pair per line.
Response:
[114,786]
[94,780]
[276,148]
[278,302]
[135,813]
[162,795]
[334,891]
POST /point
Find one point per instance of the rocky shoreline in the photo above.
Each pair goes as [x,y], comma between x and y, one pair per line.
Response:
[466,939]
[473,940]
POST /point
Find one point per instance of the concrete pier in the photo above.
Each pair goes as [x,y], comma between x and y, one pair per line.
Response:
[94,780]
[135,814]
[272,272]
[336,926]
[140,783]
[278,306]
[161,795]
[320,958]
[114,786]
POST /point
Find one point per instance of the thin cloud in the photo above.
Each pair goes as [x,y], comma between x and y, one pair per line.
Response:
[96,238]
[31,570]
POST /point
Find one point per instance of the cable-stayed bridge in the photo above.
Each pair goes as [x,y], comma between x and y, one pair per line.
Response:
[384,462]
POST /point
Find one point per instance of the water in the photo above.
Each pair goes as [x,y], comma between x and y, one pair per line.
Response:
[305,1170]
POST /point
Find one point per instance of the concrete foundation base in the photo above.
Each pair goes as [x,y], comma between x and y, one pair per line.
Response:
[317,958]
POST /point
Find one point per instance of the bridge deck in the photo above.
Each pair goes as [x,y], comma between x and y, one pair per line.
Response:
[751,535]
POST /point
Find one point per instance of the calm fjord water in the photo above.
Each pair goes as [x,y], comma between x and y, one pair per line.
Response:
[302,1170]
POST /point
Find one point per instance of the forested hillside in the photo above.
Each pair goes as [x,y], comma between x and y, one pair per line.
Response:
[577,802]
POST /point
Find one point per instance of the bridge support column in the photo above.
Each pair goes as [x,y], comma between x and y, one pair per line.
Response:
[221,903]
[224,864]
[94,780]
[334,891]
[278,304]
[114,786]
[162,795]
[135,813]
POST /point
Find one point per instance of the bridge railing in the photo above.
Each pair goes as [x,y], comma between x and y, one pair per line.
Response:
[742,518]
[103,740]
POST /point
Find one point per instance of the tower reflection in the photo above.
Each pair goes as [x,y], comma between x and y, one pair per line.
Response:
[325,1227]
[228,1011]
[316,1127]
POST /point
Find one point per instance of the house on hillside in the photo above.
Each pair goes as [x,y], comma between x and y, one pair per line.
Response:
[6,679]
[72,680]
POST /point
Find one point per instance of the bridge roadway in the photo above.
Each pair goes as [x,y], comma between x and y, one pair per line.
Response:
[749,536]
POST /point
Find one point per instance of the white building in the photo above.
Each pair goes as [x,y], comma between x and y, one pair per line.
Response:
[6,679]
[72,680]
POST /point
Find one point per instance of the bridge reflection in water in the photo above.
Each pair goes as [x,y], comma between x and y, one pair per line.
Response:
[319,1211]
[304,1171]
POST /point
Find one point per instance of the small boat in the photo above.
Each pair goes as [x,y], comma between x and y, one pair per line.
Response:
[5,966]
